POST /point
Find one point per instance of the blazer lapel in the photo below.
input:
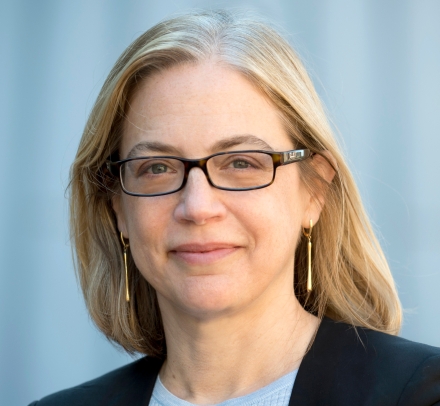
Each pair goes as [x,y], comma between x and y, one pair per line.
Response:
[141,384]
[315,376]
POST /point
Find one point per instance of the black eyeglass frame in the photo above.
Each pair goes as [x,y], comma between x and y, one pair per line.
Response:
[278,159]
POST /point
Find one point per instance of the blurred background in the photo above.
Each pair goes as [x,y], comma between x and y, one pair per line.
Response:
[376,65]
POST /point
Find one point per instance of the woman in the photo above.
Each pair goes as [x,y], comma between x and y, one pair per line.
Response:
[217,229]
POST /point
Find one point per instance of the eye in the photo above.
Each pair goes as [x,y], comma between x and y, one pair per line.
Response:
[240,164]
[158,168]
[155,167]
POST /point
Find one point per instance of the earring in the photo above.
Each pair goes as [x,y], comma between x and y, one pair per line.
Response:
[309,256]
[125,245]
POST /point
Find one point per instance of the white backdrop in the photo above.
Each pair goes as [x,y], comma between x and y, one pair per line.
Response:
[376,64]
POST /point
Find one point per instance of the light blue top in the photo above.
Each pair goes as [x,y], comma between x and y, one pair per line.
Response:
[275,394]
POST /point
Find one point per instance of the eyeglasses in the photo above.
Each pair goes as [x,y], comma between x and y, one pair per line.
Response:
[236,171]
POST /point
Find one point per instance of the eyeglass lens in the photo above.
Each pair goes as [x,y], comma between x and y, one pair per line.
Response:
[151,176]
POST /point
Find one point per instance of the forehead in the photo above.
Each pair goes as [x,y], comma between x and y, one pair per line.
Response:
[194,107]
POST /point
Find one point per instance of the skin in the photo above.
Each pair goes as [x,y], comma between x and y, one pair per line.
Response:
[220,261]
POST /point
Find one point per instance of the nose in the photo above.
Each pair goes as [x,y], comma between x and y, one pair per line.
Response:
[199,202]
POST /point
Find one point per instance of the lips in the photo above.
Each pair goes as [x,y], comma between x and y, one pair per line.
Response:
[203,254]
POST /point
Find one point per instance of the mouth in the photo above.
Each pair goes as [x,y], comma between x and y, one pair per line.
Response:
[203,254]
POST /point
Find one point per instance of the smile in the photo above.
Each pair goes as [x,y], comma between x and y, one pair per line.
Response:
[203,254]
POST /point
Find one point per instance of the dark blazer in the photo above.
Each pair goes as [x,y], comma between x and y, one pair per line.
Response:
[345,366]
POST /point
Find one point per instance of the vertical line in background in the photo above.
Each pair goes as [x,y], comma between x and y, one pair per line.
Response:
[23,205]
[391,121]
[423,179]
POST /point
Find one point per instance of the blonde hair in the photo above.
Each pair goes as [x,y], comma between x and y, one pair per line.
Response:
[352,280]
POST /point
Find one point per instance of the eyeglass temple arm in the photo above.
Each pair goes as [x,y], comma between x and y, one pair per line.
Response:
[112,167]
[295,156]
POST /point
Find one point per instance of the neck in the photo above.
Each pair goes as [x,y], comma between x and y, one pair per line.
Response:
[213,359]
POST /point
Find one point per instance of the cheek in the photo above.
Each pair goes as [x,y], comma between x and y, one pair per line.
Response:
[146,216]
[284,209]
[147,223]
[273,222]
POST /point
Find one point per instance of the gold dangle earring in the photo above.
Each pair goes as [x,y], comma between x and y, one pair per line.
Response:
[125,245]
[309,257]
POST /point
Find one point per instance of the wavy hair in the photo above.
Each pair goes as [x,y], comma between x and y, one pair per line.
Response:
[352,280]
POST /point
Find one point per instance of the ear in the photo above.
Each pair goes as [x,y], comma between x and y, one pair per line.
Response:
[120,216]
[325,165]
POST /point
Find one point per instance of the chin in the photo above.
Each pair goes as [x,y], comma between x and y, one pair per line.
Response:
[210,296]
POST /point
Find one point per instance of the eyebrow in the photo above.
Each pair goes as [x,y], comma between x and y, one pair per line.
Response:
[152,146]
[241,139]
[225,144]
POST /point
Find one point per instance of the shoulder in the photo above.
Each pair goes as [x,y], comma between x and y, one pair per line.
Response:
[129,385]
[362,366]
[371,345]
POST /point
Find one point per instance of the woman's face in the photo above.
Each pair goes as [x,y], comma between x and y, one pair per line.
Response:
[207,251]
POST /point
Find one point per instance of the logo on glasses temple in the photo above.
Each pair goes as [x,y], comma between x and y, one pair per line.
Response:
[293,155]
